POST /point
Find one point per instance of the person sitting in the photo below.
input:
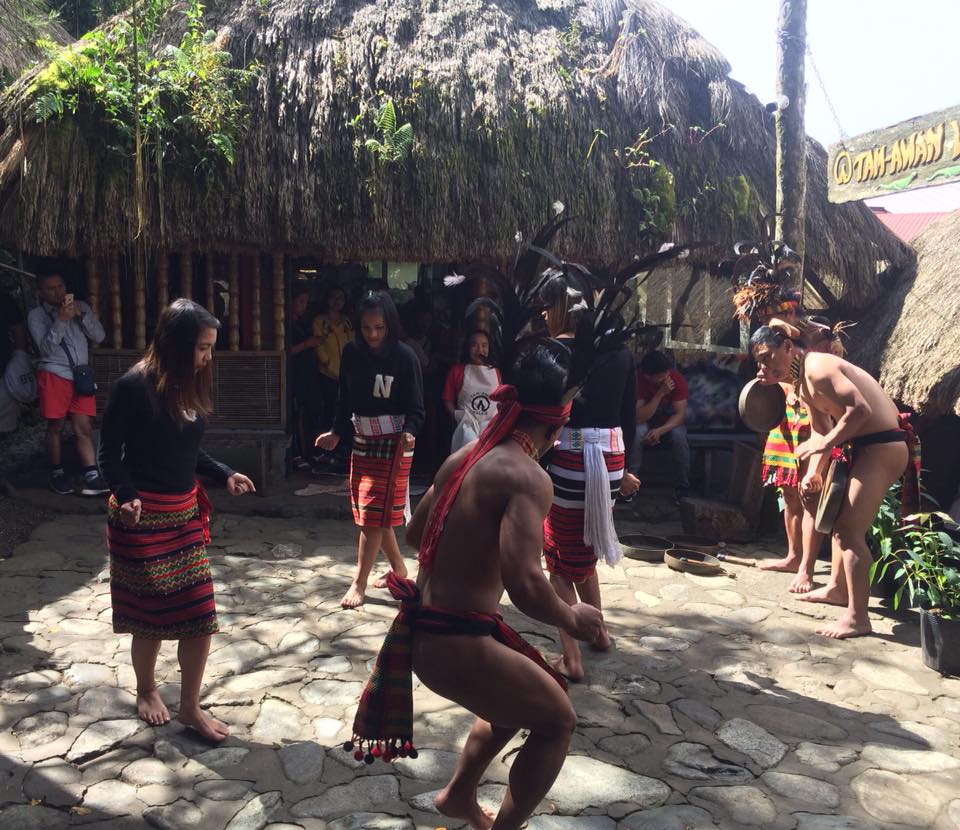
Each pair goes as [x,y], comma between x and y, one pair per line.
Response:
[661,412]
[62,328]
[467,391]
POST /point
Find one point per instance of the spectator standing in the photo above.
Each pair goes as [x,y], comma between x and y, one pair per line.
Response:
[661,414]
[333,331]
[62,327]
[13,339]
[303,375]
[467,391]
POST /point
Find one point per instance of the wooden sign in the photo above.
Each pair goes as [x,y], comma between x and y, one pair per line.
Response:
[921,152]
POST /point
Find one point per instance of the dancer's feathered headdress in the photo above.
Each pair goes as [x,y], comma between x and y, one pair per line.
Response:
[763,271]
[594,300]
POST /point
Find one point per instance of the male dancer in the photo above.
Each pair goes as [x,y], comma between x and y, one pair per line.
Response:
[479,531]
[863,417]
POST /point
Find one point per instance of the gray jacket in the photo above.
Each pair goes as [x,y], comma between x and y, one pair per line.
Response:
[49,331]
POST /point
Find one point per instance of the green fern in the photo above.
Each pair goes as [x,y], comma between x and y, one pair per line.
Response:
[395,142]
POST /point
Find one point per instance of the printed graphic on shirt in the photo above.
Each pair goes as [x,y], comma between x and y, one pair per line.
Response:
[480,403]
[382,385]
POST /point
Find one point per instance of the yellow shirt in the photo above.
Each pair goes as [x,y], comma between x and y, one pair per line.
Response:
[333,337]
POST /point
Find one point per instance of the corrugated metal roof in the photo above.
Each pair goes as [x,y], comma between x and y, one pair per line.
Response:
[906,225]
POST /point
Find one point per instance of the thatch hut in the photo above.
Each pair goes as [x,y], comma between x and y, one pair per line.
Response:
[912,345]
[616,108]
[22,24]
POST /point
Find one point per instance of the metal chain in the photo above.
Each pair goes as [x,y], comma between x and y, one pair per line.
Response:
[826,95]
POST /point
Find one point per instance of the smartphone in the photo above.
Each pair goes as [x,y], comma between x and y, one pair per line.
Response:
[68,299]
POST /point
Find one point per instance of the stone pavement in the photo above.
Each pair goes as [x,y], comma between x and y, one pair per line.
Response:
[717,707]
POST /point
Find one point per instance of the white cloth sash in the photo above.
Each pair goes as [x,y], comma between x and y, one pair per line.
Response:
[598,528]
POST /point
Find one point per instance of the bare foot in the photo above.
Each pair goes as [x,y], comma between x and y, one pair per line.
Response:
[381,581]
[206,725]
[845,627]
[802,583]
[830,594]
[151,708]
[789,564]
[572,671]
[354,597]
[453,805]
[603,642]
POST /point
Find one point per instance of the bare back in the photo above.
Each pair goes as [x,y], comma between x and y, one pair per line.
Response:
[825,375]
[465,574]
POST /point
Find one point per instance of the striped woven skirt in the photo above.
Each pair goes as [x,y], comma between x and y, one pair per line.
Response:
[564,548]
[379,477]
[160,582]
[780,465]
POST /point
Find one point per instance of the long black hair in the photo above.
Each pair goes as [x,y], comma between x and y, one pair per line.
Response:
[380,302]
[169,360]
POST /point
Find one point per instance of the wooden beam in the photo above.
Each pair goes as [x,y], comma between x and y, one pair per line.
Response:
[256,338]
[234,312]
[208,275]
[139,298]
[92,269]
[163,282]
[116,311]
[279,303]
[186,273]
[791,131]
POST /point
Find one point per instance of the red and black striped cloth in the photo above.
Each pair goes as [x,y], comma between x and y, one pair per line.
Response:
[383,725]
[566,553]
[161,587]
[379,479]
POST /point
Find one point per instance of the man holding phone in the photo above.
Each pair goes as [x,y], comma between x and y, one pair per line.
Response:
[62,326]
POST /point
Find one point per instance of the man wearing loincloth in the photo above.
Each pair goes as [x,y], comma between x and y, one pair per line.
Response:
[479,531]
[848,409]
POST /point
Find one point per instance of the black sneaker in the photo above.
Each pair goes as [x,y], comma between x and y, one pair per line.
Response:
[94,486]
[679,494]
[59,483]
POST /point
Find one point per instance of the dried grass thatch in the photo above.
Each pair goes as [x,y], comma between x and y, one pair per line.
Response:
[22,23]
[912,342]
[506,100]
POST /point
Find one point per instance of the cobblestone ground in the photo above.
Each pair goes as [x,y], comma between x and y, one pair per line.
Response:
[716,708]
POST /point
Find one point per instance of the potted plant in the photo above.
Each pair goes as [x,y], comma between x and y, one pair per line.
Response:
[880,539]
[925,555]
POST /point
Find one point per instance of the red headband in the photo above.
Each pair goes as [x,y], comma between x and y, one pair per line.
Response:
[498,429]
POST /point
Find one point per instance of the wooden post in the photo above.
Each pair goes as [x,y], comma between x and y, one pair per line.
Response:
[791,132]
[279,304]
[234,312]
[139,297]
[186,273]
[163,282]
[93,287]
[116,313]
[208,274]
[256,337]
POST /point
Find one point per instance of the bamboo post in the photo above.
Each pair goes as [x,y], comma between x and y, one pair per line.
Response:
[186,273]
[116,313]
[279,303]
[256,334]
[234,313]
[93,286]
[791,132]
[139,298]
[208,274]
[163,281]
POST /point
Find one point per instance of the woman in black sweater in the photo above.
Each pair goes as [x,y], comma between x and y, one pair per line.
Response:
[381,391]
[158,515]
[588,472]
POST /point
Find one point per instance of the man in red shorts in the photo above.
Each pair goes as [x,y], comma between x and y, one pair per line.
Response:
[62,327]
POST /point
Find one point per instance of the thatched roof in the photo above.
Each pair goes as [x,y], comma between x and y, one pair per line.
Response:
[505,99]
[912,341]
[22,23]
